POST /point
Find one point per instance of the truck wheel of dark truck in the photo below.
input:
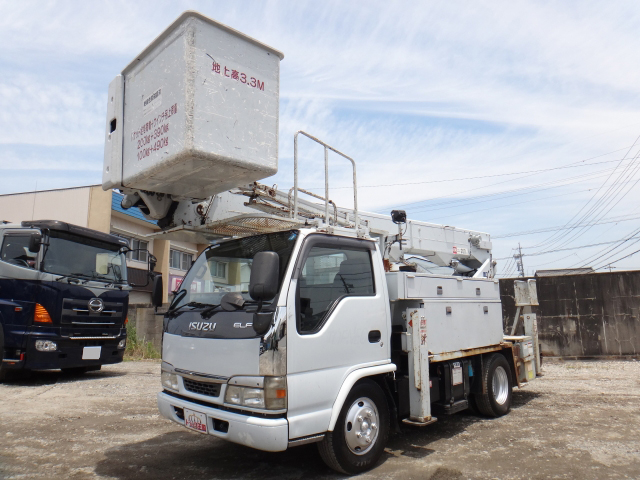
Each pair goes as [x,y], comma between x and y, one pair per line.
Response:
[361,432]
[3,370]
[496,381]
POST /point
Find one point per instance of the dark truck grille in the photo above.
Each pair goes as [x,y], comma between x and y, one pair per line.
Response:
[202,388]
[76,312]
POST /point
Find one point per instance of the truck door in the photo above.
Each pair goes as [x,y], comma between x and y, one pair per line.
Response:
[18,285]
[341,324]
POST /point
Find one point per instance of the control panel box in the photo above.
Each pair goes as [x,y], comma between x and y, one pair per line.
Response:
[195,114]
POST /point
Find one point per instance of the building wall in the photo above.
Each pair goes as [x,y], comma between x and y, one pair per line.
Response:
[584,315]
[69,205]
[99,211]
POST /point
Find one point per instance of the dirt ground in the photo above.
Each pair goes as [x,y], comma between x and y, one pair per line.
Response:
[581,420]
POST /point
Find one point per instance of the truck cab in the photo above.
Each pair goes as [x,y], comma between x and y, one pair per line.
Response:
[265,367]
[63,297]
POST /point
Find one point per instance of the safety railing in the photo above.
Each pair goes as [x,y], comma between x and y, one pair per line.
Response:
[326,177]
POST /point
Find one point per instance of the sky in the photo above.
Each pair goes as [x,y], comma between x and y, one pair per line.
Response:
[519,119]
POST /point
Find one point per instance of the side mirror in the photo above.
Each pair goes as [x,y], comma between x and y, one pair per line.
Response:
[153,261]
[265,271]
[156,293]
[35,240]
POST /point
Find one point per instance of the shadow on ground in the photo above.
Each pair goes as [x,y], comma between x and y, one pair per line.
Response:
[50,377]
[188,455]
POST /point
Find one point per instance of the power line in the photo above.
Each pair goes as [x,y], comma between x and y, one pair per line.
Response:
[616,261]
[553,229]
[535,254]
[550,240]
[526,172]
[533,188]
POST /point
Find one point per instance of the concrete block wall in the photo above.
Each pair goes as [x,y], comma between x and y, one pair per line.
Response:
[587,315]
[148,325]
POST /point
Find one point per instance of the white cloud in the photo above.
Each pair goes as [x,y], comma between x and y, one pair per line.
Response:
[416,91]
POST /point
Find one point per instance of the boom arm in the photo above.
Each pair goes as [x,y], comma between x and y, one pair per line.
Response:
[235,213]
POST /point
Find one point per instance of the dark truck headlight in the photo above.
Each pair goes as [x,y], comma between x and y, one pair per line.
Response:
[46,346]
[257,392]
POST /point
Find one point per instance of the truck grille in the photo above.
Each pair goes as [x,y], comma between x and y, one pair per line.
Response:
[76,312]
[202,388]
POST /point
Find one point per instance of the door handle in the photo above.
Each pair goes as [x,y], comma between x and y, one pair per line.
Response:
[374,336]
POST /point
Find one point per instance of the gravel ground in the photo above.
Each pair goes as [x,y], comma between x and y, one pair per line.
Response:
[581,420]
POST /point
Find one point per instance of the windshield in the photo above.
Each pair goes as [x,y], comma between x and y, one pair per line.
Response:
[227,267]
[77,256]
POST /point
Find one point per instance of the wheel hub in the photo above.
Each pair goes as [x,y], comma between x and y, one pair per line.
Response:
[361,426]
[500,385]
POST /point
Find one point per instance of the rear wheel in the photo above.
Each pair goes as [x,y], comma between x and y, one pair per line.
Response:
[361,432]
[497,383]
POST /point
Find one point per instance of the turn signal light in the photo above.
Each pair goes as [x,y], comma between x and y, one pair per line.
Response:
[41,315]
[126,320]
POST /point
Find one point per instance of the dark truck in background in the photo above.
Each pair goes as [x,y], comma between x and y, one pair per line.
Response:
[63,297]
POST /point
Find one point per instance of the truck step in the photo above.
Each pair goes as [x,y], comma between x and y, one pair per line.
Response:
[417,423]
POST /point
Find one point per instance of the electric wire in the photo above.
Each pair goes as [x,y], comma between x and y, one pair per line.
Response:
[555,237]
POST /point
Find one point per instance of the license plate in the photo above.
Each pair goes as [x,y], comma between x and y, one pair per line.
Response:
[91,353]
[195,420]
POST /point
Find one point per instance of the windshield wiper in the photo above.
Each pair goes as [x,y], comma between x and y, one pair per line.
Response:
[173,311]
[103,278]
[75,276]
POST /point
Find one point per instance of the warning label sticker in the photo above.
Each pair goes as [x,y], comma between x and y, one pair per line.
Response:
[152,102]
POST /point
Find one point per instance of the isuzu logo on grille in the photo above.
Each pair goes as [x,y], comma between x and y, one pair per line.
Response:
[96,305]
[202,326]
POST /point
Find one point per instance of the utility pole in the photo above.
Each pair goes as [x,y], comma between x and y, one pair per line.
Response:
[519,263]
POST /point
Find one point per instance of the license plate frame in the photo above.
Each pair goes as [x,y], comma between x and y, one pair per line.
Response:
[91,353]
[196,421]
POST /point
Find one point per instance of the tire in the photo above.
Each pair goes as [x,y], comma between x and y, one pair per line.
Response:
[497,383]
[343,450]
[3,369]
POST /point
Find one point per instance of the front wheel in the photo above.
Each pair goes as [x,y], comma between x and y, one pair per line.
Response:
[497,383]
[361,432]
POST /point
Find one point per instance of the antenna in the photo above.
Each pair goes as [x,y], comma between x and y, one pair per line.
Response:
[33,209]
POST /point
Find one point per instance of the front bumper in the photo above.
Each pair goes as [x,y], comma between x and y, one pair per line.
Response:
[268,434]
[69,353]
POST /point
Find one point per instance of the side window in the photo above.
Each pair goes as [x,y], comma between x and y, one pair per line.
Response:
[328,275]
[15,250]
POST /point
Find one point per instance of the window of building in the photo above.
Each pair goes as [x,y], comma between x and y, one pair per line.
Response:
[180,260]
[140,248]
[218,269]
[328,275]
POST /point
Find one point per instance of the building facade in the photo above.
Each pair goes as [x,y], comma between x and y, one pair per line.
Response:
[92,207]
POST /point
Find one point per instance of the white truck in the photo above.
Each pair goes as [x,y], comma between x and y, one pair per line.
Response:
[303,321]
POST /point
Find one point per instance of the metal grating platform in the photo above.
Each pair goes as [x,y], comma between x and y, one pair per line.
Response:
[239,226]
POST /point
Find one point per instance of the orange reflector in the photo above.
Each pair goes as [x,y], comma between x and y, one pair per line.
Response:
[18,309]
[41,315]
[126,320]
[281,393]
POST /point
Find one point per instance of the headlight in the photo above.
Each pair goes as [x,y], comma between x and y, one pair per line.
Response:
[46,346]
[272,397]
[168,378]
[122,343]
